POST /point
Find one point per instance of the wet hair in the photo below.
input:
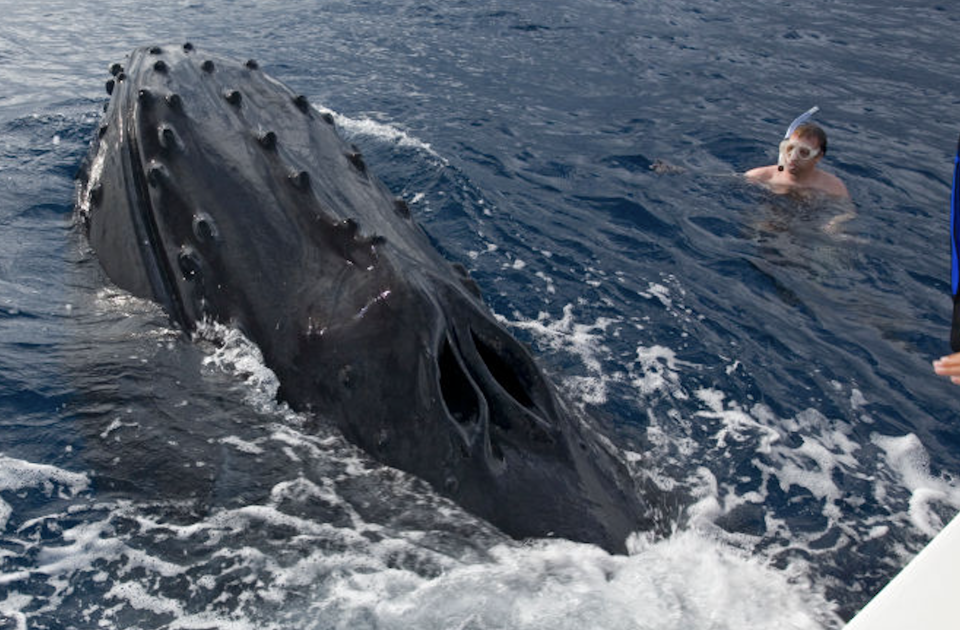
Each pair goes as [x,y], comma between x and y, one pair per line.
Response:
[811,130]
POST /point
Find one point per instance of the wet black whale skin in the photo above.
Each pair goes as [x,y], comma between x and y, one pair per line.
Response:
[215,190]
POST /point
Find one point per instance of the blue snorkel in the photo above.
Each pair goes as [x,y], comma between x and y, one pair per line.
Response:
[799,120]
[955,252]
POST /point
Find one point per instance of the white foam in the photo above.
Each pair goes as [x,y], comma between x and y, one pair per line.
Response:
[857,399]
[17,475]
[491,247]
[234,354]
[736,423]
[658,370]
[660,292]
[115,425]
[685,582]
[565,335]
[11,606]
[586,389]
[136,596]
[371,575]
[547,281]
[242,445]
[381,131]
[908,458]
[94,174]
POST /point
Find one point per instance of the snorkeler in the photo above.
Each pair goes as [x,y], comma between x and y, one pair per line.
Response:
[801,150]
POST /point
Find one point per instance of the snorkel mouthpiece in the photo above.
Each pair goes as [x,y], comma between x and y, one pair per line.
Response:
[799,120]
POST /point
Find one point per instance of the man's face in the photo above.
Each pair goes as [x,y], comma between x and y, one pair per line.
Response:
[799,154]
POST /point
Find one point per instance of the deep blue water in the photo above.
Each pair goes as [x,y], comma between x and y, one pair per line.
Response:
[774,376]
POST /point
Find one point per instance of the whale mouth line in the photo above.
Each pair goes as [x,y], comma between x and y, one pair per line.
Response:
[143,217]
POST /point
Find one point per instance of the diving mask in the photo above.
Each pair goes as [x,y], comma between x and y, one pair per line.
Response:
[795,150]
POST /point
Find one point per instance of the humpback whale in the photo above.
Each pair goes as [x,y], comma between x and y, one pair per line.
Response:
[215,190]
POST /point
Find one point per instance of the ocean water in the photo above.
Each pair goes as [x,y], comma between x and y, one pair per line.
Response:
[775,376]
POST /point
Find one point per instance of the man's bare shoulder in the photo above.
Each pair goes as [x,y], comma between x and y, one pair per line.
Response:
[761,173]
[832,185]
